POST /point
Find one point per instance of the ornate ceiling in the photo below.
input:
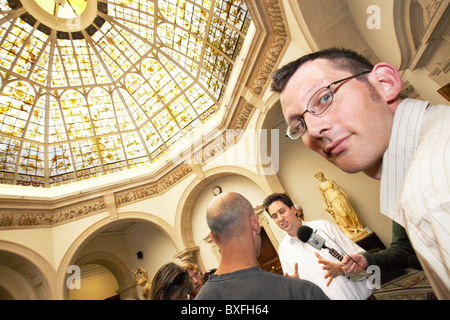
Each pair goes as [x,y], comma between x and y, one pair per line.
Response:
[92,87]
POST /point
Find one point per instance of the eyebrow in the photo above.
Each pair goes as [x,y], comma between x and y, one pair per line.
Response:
[277,212]
[317,86]
[307,95]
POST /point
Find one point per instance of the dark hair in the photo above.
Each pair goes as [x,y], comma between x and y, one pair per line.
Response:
[342,59]
[277,197]
[208,274]
[170,281]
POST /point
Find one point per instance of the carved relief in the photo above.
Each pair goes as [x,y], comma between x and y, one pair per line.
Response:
[429,9]
[153,189]
[275,47]
[228,138]
[18,219]
[243,114]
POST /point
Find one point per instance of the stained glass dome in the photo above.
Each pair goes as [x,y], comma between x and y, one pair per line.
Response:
[91,87]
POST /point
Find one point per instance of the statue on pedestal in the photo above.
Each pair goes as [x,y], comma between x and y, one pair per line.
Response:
[338,205]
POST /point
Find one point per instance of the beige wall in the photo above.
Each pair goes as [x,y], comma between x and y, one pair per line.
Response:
[97,284]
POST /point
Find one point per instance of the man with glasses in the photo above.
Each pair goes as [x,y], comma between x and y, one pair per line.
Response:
[349,111]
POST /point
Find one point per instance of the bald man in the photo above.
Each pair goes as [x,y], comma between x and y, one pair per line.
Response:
[236,230]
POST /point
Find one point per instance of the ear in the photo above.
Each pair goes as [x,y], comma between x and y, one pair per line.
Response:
[255,223]
[213,238]
[293,208]
[386,79]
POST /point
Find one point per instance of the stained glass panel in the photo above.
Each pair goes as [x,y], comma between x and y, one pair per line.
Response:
[102,112]
[36,124]
[56,128]
[116,94]
[60,159]
[15,104]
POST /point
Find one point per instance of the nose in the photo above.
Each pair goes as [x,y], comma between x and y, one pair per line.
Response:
[317,126]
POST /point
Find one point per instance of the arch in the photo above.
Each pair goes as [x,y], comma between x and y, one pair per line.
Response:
[32,276]
[190,195]
[16,285]
[72,254]
[127,287]
[267,143]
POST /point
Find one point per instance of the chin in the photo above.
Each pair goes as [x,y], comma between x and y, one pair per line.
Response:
[349,167]
[351,170]
[349,164]
[344,165]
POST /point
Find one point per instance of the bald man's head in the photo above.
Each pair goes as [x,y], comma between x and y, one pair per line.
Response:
[228,214]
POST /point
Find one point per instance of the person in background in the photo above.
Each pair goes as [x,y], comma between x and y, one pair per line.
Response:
[171,282]
[300,213]
[196,276]
[351,113]
[236,230]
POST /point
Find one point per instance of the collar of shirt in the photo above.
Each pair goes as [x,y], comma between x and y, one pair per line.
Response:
[405,134]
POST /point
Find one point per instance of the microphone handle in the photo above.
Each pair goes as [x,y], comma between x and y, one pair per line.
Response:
[335,254]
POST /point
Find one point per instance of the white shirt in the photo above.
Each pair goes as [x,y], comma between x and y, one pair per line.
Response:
[292,250]
[415,185]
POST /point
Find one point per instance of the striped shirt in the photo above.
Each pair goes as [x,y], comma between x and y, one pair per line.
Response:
[415,185]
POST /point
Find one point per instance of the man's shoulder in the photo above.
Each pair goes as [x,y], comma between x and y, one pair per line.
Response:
[274,281]
[270,276]
[318,224]
[255,283]
[292,288]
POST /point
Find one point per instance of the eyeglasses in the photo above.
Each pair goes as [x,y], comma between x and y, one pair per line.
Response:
[319,102]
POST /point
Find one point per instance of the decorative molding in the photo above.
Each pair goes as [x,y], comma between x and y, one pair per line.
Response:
[440,72]
[408,91]
[276,43]
[153,189]
[18,218]
[429,9]
[229,137]
[241,117]
[188,253]
[431,43]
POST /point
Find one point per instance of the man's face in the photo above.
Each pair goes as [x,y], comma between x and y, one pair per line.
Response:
[284,217]
[353,133]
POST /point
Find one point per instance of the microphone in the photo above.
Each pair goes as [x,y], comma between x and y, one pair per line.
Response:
[306,235]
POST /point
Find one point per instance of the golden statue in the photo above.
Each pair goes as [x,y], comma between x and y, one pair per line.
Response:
[143,281]
[338,205]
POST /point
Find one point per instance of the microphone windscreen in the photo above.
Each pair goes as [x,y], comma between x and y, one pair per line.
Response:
[304,233]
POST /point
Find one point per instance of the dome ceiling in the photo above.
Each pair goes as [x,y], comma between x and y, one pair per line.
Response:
[92,87]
